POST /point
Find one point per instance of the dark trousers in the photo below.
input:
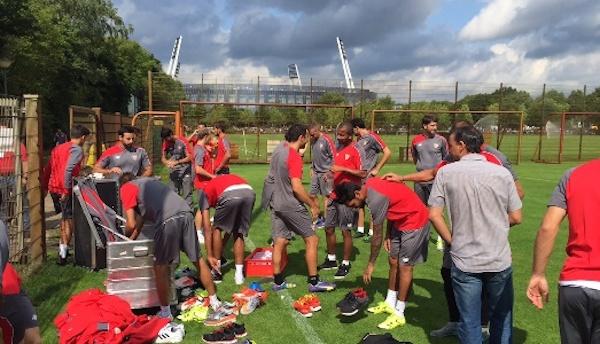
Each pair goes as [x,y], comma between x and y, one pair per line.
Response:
[579,315]
[453,313]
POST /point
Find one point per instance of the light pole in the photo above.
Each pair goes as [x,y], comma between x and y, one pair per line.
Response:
[5,63]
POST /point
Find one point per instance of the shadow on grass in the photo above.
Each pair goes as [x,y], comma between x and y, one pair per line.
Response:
[51,287]
[430,312]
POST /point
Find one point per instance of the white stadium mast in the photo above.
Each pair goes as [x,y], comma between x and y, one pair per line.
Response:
[294,73]
[173,69]
[345,64]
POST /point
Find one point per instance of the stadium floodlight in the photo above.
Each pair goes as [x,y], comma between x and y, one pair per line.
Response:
[173,68]
[345,64]
[294,73]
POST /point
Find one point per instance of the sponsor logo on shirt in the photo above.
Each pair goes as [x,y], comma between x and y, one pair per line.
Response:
[134,157]
[117,157]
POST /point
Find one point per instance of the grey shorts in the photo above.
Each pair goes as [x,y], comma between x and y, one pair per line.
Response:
[285,223]
[173,235]
[321,183]
[17,315]
[67,208]
[202,200]
[409,247]
[340,215]
[233,212]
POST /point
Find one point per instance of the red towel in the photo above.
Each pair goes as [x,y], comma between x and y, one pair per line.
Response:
[95,317]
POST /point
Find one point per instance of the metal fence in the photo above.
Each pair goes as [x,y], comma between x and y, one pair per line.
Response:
[22,208]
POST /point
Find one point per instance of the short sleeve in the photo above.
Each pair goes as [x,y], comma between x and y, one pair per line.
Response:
[104,160]
[559,196]
[514,201]
[378,142]
[145,159]
[226,145]
[294,165]
[199,156]
[129,193]
[504,160]
[437,197]
[359,161]
[378,205]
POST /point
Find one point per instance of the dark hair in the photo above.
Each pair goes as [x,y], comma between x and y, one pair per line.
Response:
[347,125]
[461,124]
[79,131]
[470,136]
[344,192]
[221,126]
[127,129]
[202,134]
[295,131]
[358,122]
[165,132]
[427,119]
[126,178]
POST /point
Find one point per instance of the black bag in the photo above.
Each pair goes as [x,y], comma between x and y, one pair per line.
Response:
[380,339]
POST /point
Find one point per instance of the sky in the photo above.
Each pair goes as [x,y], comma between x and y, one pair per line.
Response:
[480,41]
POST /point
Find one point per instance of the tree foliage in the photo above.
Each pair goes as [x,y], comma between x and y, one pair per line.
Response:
[72,52]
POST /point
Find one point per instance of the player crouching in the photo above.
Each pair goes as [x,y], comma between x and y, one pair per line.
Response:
[233,200]
[406,238]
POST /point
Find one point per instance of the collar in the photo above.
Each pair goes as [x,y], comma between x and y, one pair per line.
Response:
[473,157]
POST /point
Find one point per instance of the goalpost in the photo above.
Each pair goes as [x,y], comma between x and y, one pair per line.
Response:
[265,121]
[501,129]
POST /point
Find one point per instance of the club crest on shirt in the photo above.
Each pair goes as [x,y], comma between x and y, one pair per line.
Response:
[346,156]
[436,145]
[134,157]
[321,145]
[117,157]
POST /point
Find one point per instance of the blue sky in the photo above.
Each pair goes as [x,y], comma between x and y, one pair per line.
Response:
[488,41]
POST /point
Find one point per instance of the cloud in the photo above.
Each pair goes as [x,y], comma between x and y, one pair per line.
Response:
[514,41]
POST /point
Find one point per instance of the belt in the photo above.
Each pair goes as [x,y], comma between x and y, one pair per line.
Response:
[238,187]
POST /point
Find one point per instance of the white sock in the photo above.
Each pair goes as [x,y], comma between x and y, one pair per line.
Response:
[239,269]
[400,305]
[345,262]
[62,250]
[360,229]
[214,301]
[391,298]
[370,231]
[331,257]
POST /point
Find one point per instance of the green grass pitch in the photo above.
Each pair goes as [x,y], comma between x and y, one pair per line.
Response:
[51,287]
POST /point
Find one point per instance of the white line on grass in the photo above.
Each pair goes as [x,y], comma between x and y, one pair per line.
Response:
[540,180]
[310,335]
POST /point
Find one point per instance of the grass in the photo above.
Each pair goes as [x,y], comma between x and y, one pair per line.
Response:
[51,287]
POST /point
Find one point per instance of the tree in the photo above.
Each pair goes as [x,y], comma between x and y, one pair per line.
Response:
[538,112]
[72,52]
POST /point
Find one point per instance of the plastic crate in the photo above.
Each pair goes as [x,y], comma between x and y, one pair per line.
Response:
[262,267]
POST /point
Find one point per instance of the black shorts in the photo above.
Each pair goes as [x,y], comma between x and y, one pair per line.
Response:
[233,212]
[16,316]
[66,206]
[578,312]
[173,235]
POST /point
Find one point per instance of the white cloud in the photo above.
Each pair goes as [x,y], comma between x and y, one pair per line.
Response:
[493,20]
